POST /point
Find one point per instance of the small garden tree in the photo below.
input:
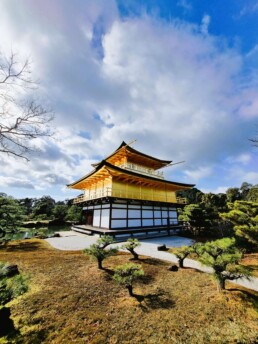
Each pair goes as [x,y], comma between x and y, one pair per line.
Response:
[131,245]
[99,251]
[181,253]
[223,256]
[127,274]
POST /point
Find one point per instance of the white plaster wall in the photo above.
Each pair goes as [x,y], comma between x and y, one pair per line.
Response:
[96,218]
[105,218]
[118,223]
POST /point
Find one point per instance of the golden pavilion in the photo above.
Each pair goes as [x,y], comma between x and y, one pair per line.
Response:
[127,190]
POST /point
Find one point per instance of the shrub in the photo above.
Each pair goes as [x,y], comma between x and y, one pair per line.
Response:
[127,274]
[130,246]
[11,287]
[99,251]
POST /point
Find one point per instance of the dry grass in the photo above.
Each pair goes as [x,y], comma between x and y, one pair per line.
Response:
[251,260]
[71,301]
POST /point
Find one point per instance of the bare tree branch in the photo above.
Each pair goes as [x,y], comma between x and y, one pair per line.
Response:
[21,121]
[255,141]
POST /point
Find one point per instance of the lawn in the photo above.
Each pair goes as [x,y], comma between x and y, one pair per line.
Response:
[71,301]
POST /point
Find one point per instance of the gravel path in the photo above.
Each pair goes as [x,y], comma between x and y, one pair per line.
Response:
[72,241]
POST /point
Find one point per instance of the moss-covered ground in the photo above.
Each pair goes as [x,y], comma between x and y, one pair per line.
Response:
[71,301]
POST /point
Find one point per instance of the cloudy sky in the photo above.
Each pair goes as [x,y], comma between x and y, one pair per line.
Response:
[179,76]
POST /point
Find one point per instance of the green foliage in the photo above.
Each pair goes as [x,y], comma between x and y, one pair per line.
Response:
[223,256]
[195,216]
[213,201]
[253,194]
[11,214]
[105,240]
[74,214]
[244,217]
[18,285]
[43,206]
[193,195]
[27,203]
[11,287]
[245,189]
[233,194]
[202,215]
[131,245]
[99,251]
[181,253]
[5,292]
[127,274]
[59,211]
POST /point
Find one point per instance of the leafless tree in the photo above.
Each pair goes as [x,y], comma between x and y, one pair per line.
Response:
[21,118]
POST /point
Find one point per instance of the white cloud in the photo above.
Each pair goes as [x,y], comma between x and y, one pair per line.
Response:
[172,86]
[186,5]
[217,190]
[249,9]
[16,182]
[206,19]
[244,159]
[199,173]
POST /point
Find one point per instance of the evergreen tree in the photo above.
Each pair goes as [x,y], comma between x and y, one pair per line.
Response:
[131,245]
[127,274]
[181,253]
[43,207]
[233,194]
[11,215]
[74,214]
[253,194]
[99,251]
[244,217]
[223,256]
[60,211]
[195,217]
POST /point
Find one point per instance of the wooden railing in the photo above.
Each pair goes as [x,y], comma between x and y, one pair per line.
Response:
[109,192]
[143,170]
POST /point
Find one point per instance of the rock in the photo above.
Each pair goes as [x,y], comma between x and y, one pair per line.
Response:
[11,270]
[173,268]
[56,235]
[162,248]
[40,236]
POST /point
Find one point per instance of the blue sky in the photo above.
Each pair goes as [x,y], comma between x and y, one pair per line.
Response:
[179,76]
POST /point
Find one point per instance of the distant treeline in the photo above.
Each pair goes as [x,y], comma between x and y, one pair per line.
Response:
[234,213]
[25,211]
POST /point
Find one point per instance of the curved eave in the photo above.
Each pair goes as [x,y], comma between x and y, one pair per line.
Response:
[131,173]
[116,168]
[132,150]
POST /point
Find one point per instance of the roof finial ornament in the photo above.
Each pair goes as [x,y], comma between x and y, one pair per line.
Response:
[131,143]
[175,163]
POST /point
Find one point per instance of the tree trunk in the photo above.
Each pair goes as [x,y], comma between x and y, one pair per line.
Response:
[100,264]
[135,255]
[130,289]
[221,283]
[181,262]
